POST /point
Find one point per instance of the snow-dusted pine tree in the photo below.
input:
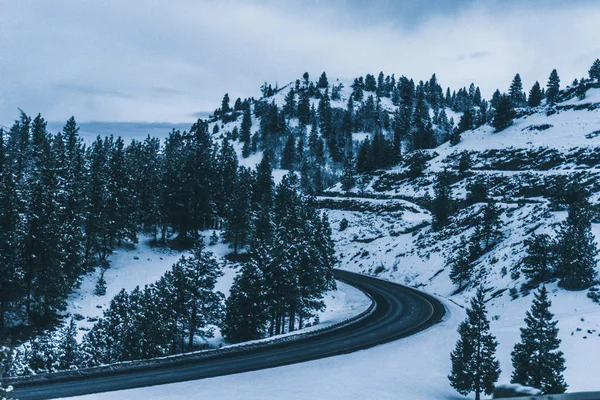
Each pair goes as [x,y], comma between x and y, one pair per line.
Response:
[474,365]
[537,361]
[576,250]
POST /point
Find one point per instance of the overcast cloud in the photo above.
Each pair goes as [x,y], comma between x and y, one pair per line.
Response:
[117,60]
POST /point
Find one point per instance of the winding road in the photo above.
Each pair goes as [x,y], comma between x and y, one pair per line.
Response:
[400,311]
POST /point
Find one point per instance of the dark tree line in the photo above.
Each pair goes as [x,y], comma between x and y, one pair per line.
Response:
[290,264]
[64,207]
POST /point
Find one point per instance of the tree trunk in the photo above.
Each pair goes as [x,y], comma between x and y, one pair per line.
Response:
[292,324]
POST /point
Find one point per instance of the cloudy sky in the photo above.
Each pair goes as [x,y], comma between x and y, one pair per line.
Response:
[166,60]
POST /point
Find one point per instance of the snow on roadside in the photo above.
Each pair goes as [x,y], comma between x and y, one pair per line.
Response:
[412,368]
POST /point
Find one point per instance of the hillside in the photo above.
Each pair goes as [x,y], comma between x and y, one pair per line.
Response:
[527,168]
[390,235]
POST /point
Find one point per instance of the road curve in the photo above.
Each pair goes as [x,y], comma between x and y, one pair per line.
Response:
[400,311]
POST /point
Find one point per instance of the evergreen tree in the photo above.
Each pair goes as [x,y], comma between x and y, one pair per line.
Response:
[245,132]
[466,122]
[226,169]
[323,83]
[576,250]
[477,191]
[263,189]
[197,303]
[504,114]
[422,131]
[416,164]
[460,265]
[553,87]
[68,354]
[441,206]
[245,309]
[535,95]
[594,71]
[488,228]
[4,357]
[357,89]
[100,288]
[370,83]
[11,226]
[303,110]
[288,156]
[289,107]
[538,263]
[225,108]
[474,366]
[347,179]
[537,360]
[464,162]
[516,92]
[238,227]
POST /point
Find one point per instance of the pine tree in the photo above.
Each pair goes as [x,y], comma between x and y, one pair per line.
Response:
[100,288]
[464,162]
[466,122]
[4,357]
[422,132]
[504,114]
[226,169]
[245,132]
[535,95]
[68,354]
[474,366]
[538,263]
[553,87]
[225,108]
[245,309]
[323,83]
[477,191]
[288,156]
[488,228]
[460,265]
[537,360]
[289,107]
[303,110]
[347,179]
[441,206]
[576,250]
[10,235]
[516,92]
[263,189]
[238,226]
[195,279]
[594,71]
[370,83]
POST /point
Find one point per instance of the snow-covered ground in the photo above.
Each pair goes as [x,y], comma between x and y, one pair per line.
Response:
[131,266]
[141,265]
[411,368]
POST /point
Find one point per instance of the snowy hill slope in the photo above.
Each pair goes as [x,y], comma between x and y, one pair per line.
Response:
[543,151]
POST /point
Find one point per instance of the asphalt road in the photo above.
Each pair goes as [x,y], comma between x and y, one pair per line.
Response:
[400,311]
